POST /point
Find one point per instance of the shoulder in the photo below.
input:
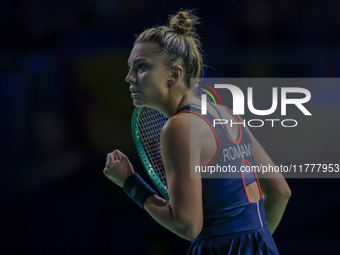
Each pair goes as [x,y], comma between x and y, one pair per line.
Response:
[181,137]
[179,127]
[176,131]
[187,138]
[177,123]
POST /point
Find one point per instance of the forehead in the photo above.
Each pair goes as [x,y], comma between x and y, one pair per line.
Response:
[144,51]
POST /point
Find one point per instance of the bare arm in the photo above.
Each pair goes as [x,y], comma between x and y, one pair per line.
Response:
[183,214]
[276,191]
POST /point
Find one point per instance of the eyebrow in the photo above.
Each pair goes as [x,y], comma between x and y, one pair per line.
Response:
[137,61]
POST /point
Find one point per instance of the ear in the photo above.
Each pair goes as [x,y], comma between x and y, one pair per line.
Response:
[176,74]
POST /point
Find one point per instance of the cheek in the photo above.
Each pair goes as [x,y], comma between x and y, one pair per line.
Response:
[153,83]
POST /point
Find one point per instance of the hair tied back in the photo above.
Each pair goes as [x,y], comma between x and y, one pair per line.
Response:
[183,22]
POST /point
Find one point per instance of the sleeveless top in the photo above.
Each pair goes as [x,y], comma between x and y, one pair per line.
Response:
[226,205]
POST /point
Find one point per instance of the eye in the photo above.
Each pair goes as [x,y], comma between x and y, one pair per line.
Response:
[142,67]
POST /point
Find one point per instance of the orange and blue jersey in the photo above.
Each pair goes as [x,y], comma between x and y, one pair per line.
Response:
[232,223]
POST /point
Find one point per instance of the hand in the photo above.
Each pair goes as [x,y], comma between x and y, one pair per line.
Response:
[118,167]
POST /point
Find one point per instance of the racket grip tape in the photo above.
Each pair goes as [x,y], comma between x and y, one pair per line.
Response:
[138,189]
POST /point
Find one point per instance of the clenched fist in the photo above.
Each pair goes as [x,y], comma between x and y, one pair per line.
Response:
[118,167]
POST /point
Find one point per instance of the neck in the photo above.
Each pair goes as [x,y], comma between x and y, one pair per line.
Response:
[176,102]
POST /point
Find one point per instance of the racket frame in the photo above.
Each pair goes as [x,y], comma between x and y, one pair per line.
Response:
[143,156]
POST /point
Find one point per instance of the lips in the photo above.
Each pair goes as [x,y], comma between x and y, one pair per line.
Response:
[134,92]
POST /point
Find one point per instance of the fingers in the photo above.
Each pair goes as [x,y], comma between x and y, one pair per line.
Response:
[119,153]
[116,155]
[113,156]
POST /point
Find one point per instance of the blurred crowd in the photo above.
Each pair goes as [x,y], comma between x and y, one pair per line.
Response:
[65,103]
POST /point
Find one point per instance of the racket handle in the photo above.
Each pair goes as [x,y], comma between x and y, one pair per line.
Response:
[138,189]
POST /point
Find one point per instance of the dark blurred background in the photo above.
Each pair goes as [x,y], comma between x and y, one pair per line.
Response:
[65,104]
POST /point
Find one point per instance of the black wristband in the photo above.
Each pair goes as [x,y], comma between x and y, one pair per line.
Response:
[137,189]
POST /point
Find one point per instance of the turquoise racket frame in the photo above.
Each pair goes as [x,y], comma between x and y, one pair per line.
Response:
[143,156]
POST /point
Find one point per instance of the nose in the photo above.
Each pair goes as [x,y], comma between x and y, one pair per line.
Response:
[130,77]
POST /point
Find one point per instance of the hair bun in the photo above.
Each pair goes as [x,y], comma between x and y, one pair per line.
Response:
[182,23]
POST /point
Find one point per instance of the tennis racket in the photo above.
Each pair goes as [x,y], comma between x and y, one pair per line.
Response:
[146,128]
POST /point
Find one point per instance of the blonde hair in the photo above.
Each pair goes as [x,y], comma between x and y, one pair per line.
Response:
[178,42]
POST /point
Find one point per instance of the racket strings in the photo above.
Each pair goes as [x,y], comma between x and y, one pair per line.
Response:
[150,123]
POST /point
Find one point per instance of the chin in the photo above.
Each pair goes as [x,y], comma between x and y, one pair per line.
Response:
[138,103]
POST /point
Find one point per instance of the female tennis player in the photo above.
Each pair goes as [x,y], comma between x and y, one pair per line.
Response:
[218,216]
